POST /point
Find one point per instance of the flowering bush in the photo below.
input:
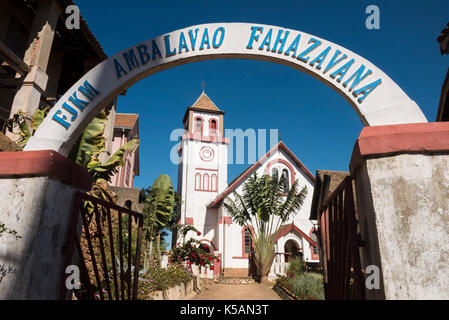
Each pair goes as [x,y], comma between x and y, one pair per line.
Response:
[192,252]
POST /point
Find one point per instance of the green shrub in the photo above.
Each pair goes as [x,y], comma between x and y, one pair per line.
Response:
[162,279]
[308,286]
[296,267]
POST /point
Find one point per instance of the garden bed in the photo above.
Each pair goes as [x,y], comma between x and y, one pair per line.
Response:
[284,293]
[179,292]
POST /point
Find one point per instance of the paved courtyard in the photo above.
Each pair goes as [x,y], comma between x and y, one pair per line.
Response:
[222,291]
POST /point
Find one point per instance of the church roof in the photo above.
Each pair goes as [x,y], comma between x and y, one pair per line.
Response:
[204,104]
[236,182]
[125,120]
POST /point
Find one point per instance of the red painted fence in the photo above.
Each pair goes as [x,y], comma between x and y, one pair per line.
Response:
[339,245]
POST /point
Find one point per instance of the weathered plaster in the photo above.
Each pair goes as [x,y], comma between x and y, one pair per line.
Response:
[409,195]
[39,209]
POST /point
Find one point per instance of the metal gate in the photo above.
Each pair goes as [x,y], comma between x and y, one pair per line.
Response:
[343,277]
[106,243]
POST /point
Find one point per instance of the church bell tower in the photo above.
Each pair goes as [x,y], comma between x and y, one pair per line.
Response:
[202,172]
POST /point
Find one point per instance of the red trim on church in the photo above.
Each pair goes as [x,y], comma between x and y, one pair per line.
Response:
[293,227]
[192,136]
[189,220]
[244,254]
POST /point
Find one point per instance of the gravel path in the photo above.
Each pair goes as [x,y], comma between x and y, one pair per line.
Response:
[251,291]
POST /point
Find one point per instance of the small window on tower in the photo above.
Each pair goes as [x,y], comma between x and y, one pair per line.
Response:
[213,127]
[199,126]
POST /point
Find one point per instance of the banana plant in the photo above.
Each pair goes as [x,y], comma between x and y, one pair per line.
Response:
[158,212]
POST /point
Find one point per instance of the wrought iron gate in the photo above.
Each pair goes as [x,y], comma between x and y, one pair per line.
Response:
[109,259]
[343,277]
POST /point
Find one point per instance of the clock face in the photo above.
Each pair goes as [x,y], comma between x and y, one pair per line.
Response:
[207,154]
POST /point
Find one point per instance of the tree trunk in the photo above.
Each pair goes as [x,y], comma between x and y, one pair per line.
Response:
[264,279]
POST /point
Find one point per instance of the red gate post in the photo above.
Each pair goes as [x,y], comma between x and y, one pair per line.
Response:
[36,201]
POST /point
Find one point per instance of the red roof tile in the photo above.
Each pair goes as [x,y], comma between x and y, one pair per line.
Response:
[125,120]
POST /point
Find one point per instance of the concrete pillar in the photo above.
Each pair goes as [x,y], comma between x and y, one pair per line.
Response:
[37,56]
[36,201]
[402,182]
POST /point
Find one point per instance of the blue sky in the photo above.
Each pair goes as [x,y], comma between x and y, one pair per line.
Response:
[315,122]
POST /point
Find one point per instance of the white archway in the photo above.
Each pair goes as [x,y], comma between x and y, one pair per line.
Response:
[372,94]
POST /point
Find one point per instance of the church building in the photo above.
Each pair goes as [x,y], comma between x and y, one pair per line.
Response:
[203,186]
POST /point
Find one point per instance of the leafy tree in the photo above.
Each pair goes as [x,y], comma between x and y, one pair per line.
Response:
[264,206]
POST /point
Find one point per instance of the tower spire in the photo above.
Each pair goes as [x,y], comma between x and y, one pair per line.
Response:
[203,85]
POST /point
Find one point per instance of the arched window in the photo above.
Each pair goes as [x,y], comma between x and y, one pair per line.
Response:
[213,182]
[206,186]
[198,126]
[275,173]
[285,180]
[197,181]
[213,127]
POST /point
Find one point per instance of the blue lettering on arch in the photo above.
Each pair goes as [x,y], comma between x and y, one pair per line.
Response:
[182,43]
[366,90]
[315,44]
[293,46]
[69,108]
[143,54]
[342,71]
[214,38]
[266,41]
[205,39]
[280,40]
[357,76]
[155,51]
[61,120]
[131,60]
[254,36]
[320,58]
[119,69]
[87,90]
[168,51]
[80,104]
[193,38]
